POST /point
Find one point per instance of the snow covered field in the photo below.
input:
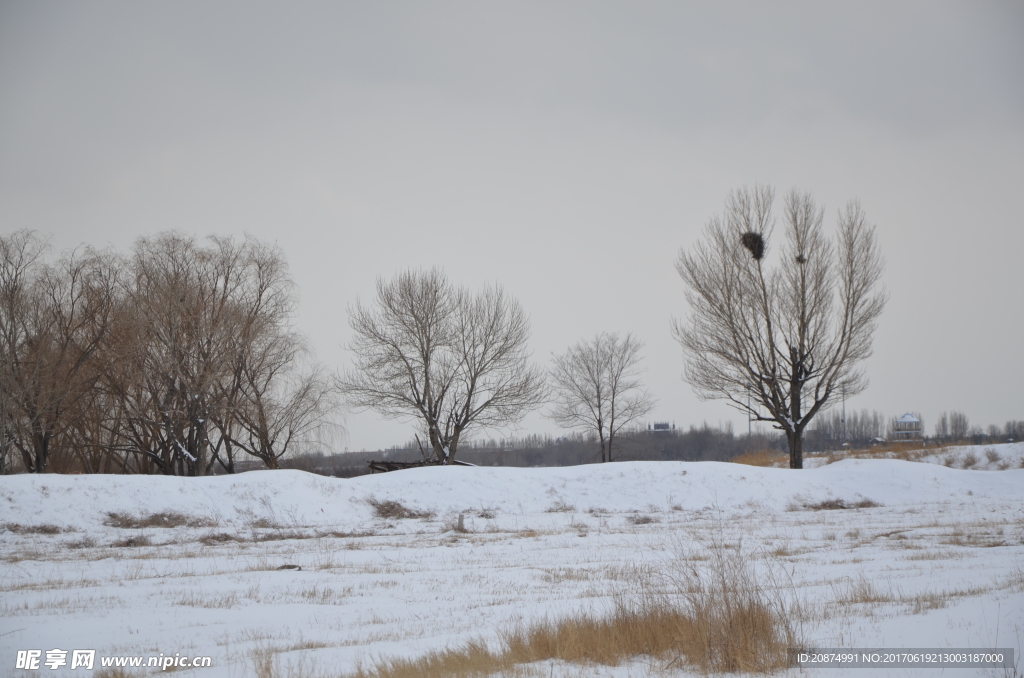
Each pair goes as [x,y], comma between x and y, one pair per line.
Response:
[933,557]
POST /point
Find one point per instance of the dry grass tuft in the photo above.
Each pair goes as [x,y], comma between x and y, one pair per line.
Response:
[161,519]
[642,520]
[219,538]
[340,534]
[133,542]
[766,458]
[385,508]
[32,529]
[839,504]
[281,535]
[113,673]
[560,507]
[720,617]
[861,591]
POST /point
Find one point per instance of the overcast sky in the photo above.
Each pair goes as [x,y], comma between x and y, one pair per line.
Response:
[565,150]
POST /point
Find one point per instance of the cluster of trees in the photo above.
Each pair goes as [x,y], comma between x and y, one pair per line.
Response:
[457,362]
[831,430]
[180,357]
[957,426]
[859,428]
[173,359]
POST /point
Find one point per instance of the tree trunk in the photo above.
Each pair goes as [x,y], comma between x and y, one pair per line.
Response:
[796,449]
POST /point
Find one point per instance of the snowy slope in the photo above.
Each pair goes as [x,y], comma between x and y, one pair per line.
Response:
[296,498]
[942,547]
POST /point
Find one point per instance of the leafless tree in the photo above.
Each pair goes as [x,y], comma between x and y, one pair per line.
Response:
[942,426]
[444,357]
[55,319]
[858,427]
[1014,429]
[212,365]
[959,425]
[268,404]
[597,388]
[20,266]
[790,339]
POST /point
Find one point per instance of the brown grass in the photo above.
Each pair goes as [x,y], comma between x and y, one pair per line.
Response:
[113,673]
[32,529]
[385,508]
[766,458]
[161,519]
[861,591]
[718,618]
[743,637]
[220,538]
[839,504]
[133,542]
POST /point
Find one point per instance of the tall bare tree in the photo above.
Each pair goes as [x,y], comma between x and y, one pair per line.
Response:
[959,425]
[20,267]
[444,357]
[598,388]
[781,344]
[55,319]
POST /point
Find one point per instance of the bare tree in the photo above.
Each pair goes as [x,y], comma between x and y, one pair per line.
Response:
[1014,429]
[442,356]
[20,267]
[598,389]
[780,345]
[211,354]
[55,319]
[942,426]
[959,425]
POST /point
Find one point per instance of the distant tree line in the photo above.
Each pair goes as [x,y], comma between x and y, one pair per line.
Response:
[177,358]
[956,426]
[831,431]
[703,443]
[180,358]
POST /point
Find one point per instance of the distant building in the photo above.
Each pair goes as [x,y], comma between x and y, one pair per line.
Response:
[907,427]
[661,426]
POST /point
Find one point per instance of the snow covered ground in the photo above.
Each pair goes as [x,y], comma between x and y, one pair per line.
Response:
[933,557]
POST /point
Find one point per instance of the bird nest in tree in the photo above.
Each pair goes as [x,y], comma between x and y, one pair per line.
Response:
[753,242]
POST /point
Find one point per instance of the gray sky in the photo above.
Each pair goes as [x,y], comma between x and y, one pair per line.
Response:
[564,150]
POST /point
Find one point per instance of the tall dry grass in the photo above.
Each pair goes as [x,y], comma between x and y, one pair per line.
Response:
[716,614]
